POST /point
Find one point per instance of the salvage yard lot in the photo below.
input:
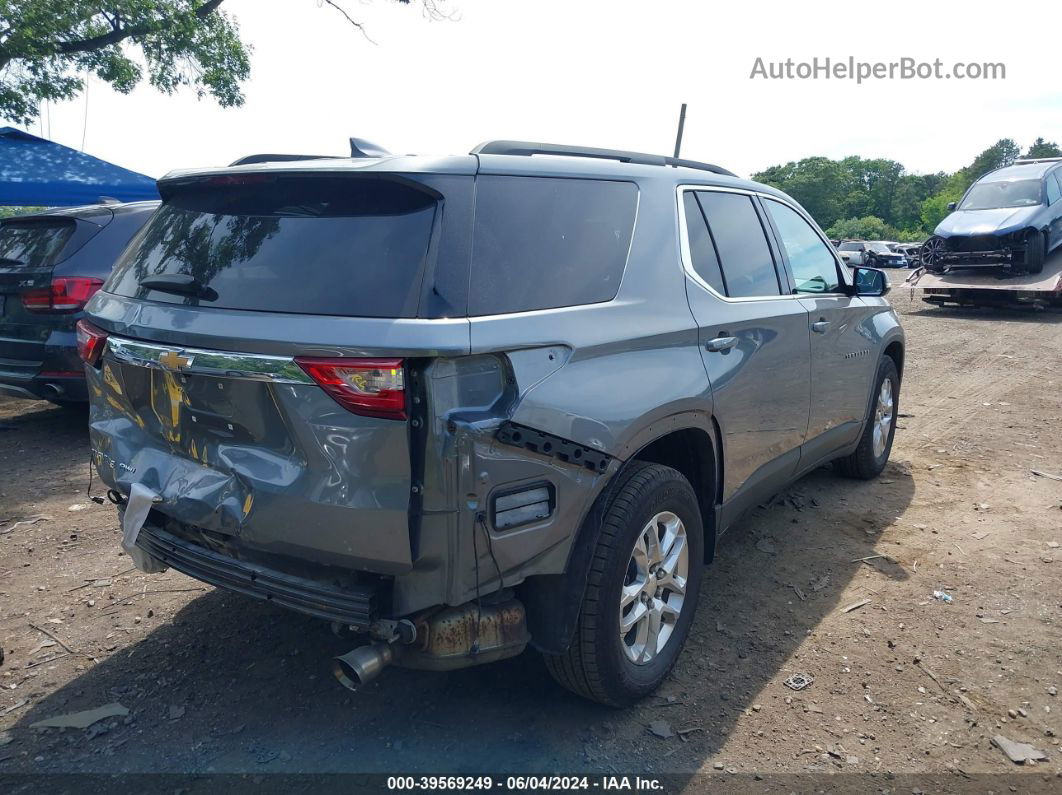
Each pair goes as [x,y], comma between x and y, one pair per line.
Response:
[903,682]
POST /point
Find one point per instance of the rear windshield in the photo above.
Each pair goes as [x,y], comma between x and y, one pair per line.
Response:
[287,243]
[541,243]
[33,243]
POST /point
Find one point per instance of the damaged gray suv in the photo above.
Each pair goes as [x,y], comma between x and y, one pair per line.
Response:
[460,405]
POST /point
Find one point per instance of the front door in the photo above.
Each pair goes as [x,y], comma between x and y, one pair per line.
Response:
[753,340]
[843,347]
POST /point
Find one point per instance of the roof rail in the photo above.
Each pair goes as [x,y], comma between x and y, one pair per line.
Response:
[1022,161]
[265,158]
[528,148]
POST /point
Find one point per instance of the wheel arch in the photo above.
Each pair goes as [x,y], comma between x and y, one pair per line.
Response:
[552,601]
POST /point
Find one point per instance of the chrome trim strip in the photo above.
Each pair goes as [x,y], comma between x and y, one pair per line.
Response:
[220,364]
[687,257]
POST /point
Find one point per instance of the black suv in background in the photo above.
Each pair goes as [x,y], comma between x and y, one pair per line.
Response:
[51,263]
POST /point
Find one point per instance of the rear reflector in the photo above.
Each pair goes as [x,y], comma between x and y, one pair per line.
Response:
[90,342]
[63,295]
[370,387]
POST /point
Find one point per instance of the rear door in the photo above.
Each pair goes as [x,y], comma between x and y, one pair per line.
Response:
[265,335]
[843,351]
[753,339]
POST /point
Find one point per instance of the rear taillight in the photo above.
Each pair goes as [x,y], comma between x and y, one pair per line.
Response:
[68,294]
[371,387]
[90,342]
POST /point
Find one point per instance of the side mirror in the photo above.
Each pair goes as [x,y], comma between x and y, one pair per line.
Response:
[871,282]
[952,206]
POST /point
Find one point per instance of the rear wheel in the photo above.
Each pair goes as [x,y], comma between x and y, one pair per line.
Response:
[875,444]
[1035,252]
[642,589]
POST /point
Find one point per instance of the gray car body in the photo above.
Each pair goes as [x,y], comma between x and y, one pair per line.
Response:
[401,499]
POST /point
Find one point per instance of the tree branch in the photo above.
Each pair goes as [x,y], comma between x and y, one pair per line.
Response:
[350,19]
[121,34]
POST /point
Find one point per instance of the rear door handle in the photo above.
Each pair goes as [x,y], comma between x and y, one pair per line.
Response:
[820,326]
[721,344]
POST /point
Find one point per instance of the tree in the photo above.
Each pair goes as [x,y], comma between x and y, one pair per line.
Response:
[47,47]
[1042,148]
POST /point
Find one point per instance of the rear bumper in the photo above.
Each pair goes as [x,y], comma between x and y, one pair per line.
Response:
[66,387]
[354,606]
[52,371]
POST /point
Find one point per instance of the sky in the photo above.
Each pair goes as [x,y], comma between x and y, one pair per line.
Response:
[595,73]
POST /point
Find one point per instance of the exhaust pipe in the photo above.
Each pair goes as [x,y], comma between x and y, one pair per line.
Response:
[53,391]
[362,665]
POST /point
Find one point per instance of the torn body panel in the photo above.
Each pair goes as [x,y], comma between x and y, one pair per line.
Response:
[279,467]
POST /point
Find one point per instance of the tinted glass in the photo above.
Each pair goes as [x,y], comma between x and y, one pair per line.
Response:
[702,249]
[748,267]
[33,244]
[995,195]
[813,264]
[1053,192]
[324,245]
[544,243]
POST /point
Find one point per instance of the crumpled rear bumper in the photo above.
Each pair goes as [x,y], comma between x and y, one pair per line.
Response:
[355,606]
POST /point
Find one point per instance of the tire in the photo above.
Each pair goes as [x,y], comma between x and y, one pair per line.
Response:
[1035,253]
[598,664]
[866,463]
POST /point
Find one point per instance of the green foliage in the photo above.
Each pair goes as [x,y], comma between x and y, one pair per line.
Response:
[870,227]
[876,199]
[10,212]
[1042,148]
[47,46]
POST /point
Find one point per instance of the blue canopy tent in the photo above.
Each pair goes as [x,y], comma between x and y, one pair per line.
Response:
[38,172]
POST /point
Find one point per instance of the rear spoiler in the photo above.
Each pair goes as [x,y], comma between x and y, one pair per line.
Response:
[359,147]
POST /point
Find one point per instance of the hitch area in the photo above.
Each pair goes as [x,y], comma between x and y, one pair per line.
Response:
[440,639]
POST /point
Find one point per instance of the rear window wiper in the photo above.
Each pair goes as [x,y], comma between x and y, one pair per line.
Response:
[12,262]
[179,284]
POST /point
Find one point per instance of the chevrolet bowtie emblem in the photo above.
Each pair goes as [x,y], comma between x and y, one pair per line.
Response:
[172,360]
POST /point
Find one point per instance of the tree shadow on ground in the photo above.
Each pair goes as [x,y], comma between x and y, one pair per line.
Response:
[235,685]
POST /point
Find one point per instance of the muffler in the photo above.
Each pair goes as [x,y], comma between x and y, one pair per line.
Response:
[362,665]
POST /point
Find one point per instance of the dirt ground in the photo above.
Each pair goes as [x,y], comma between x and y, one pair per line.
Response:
[834,579]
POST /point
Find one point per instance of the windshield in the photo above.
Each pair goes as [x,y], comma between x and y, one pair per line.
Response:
[996,195]
[849,246]
[879,248]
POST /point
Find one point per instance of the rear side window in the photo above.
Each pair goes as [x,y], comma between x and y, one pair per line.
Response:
[350,246]
[702,249]
[740,240]
[33,243]
[546,243]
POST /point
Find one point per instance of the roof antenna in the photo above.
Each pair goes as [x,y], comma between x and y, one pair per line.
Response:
[682,125]
[359,147]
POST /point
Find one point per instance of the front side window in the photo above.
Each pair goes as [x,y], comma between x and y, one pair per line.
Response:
[544,243]
[813,264]
[1053,192]
[741,243]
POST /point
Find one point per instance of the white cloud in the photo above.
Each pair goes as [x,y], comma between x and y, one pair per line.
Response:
[601,73]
